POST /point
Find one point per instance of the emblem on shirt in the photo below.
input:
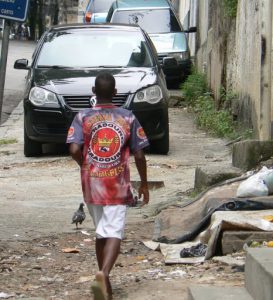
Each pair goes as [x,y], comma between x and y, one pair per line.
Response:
[70,132]
[106,141]
[140,133]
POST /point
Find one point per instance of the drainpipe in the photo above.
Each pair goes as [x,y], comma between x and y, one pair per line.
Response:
[265,81]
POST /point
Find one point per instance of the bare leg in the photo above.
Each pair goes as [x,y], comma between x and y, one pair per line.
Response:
[110,254]
[100,244]
[107,251]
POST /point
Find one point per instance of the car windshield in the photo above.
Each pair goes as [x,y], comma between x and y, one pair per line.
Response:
[170,42]
[100,6]
[94,48]
[152,20]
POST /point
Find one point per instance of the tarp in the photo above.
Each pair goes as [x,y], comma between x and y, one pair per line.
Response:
[204,218]
[220,221]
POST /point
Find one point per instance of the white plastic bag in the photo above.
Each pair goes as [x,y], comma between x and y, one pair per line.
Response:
[255,185]
[267,176]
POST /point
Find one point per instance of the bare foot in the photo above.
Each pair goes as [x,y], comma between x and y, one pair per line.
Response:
[99,287]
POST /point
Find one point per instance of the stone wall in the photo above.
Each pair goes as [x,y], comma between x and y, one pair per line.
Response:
[248,61]
[81,9]
[188,11]
[229,51]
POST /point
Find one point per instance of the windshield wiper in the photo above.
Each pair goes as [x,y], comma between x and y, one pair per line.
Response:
[110,66]
[53,67]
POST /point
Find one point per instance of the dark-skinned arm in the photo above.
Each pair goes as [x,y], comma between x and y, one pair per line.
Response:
[75,151]
[141,165]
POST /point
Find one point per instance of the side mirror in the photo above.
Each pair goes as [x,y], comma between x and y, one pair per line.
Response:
[191,30]
[21,64]
[169,62]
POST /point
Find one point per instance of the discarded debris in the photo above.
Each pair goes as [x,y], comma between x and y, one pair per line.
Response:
[56,278]
[85,279]
[230,261]
[71,250]
[88,240]
[194,251]
[270,244]
[85,232]
[268,218]
[5,295]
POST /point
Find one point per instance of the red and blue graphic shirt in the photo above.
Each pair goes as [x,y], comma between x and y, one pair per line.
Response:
[107,134]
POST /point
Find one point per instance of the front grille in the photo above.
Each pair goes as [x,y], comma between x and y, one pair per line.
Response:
[160,58]
[81,102]
[51,128]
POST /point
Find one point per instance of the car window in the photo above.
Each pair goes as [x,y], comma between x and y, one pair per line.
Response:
[99,6]
[170,42]
[152,20]
[93,48]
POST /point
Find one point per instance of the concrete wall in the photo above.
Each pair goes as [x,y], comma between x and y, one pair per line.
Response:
[188,10]
[81,9]
[229,51]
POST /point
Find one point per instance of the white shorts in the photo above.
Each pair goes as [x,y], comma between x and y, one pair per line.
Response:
[109,220]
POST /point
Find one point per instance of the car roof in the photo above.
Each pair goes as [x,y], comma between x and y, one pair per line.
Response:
[141,3]
[107,26]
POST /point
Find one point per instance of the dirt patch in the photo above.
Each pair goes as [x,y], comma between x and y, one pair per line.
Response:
[39,196]
[39,268]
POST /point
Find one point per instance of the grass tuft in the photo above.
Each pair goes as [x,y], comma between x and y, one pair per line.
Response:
[218,122]
[8,141]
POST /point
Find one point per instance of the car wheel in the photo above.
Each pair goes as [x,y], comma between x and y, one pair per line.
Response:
[31,148]
[161,146]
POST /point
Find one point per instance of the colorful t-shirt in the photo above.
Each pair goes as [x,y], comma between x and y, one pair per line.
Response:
[107,134]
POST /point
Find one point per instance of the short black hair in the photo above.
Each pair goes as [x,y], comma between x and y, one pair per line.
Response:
[105,85]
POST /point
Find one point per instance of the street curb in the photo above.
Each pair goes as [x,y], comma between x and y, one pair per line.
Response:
[16,114]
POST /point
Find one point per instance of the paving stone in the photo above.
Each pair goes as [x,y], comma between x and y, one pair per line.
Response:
[259,273]
[248,154]
[210,175]
[216,293]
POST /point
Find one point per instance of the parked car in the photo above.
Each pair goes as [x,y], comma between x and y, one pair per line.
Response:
[96,11]
[159,19]
[65,64]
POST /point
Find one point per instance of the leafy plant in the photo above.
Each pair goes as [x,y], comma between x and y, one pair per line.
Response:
[230,7]
[194,87]
[219,122]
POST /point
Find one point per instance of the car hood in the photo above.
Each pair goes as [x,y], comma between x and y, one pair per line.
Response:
[98,17]
[80,82]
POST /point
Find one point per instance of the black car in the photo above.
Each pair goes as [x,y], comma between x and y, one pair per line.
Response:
[65,63]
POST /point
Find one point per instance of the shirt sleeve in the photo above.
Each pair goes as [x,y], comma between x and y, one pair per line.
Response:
[75,132]
[138,139]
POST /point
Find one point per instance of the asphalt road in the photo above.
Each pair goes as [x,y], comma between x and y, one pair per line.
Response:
[15,79]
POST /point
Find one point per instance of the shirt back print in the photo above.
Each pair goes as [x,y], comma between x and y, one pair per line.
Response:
[107,134]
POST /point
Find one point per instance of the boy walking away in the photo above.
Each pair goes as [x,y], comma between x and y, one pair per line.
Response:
[100,141]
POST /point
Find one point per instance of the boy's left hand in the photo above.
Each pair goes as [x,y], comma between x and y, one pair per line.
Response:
[143,191]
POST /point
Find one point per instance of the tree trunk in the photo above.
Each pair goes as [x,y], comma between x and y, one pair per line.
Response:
[41,17]
[32,19]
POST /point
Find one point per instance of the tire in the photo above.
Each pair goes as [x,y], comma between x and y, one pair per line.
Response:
[161,146]
[31,148]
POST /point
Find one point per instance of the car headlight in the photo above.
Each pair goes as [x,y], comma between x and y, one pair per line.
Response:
[42,97]
[152,95]
[180,56]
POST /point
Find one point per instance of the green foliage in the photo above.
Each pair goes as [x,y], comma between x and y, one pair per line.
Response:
[7,141]
[230,7]
[219,122]
[194,86]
